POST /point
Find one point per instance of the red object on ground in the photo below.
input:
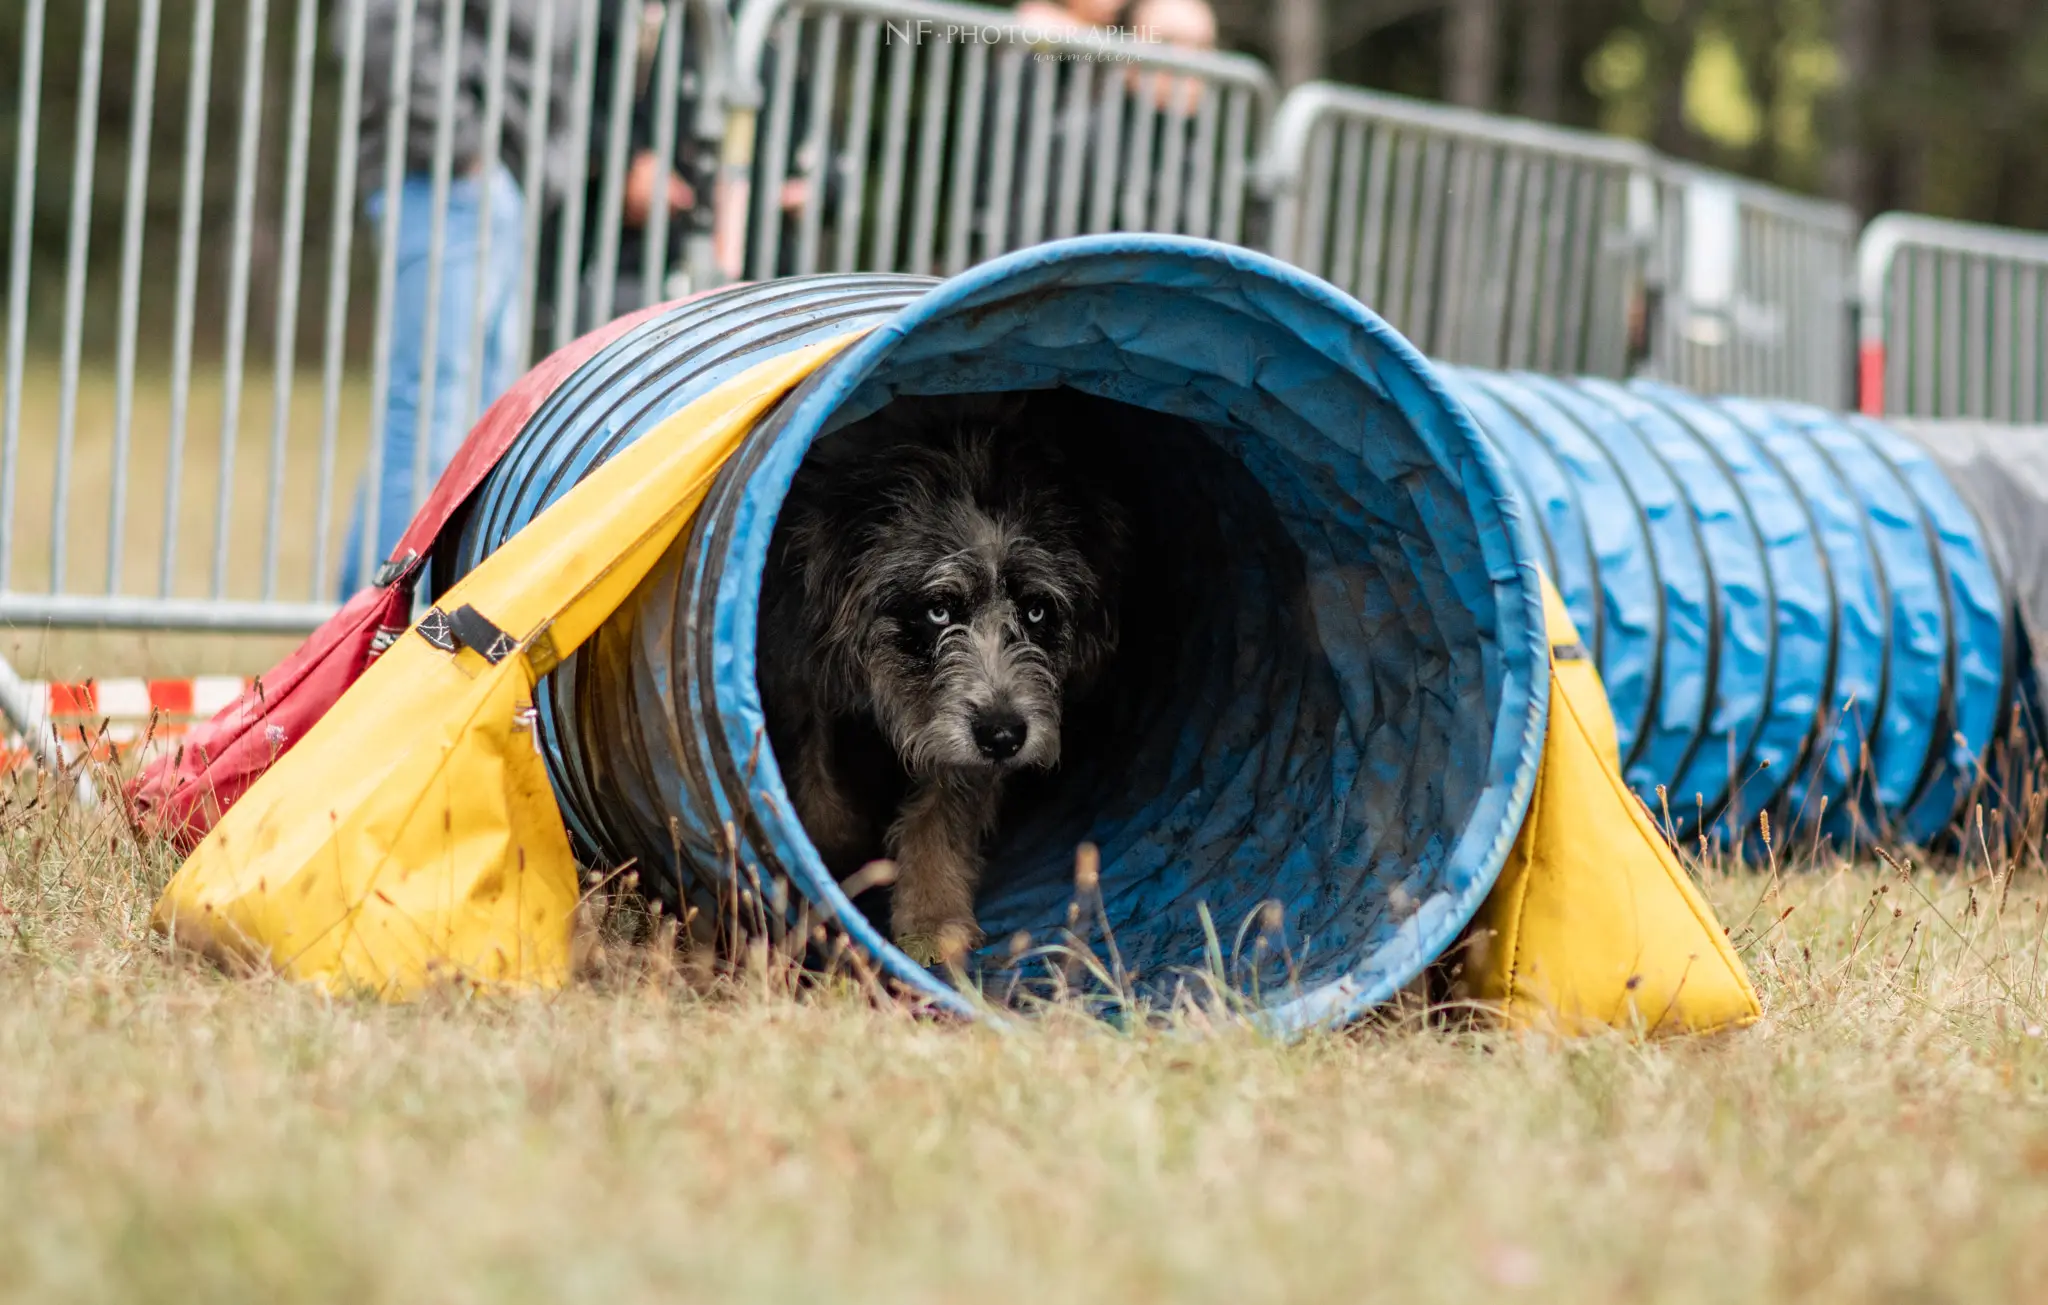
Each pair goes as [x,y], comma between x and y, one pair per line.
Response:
[183,793]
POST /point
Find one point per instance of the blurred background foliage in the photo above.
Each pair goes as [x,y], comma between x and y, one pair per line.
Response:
[1938,106]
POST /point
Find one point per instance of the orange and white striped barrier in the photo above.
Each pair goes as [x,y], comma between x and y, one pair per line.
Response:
[108,719]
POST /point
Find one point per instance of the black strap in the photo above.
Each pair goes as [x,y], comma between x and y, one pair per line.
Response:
[466,627]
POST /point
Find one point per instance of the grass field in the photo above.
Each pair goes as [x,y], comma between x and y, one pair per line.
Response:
[170,1134]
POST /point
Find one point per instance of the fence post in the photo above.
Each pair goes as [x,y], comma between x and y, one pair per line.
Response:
[733,195]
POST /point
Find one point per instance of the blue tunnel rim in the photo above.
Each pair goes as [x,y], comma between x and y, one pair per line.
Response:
[1504,541]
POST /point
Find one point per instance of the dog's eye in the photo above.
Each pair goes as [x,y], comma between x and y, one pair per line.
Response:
[1035,613]
[939,616]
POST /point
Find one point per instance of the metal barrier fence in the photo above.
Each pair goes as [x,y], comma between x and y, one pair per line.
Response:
[134,517]
[1756,287]
[920,136]
[1953,320]
[1487,241]
[262,340]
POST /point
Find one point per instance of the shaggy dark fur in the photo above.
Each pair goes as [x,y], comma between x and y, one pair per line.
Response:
[942,585]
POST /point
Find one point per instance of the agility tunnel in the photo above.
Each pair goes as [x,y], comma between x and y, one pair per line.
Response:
[1339,728]
[1331,688]
[1797,615]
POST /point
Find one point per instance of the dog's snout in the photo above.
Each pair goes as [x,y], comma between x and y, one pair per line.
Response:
[1000,734]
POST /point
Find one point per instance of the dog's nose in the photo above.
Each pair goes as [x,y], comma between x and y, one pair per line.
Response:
[1000,735]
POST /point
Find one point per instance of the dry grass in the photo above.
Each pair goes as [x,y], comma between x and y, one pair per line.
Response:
[166,1133]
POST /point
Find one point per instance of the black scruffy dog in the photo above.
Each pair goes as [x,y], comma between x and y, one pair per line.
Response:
[942,584]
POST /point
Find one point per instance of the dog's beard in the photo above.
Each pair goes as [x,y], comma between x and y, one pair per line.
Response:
[928,709]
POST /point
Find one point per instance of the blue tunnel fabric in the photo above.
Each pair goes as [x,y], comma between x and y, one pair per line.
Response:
[1659,602]
[1554,499]
[1833,785]
[1793,604]
[1679,697]
[1616,594]
[1906,738]
[1741,647]
[1340,715]
[1801,615]
[1981,628]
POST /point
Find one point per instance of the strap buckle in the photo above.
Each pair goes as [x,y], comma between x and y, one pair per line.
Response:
[396,569]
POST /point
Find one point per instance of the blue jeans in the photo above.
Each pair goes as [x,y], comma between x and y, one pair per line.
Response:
[462,272]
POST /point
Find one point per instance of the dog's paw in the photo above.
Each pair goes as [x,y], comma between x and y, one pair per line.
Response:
[949,944]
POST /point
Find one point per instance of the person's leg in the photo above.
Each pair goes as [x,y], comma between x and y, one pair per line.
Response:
[473,285]
[392,476]
[507,316]
[454,334]
[454,338]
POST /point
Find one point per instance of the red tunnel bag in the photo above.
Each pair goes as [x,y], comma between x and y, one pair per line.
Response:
[182,793]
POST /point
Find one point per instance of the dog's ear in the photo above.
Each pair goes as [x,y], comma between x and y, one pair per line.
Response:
[818,537]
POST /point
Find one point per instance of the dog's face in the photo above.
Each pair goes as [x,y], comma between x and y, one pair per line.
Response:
[966,597]
[971,638]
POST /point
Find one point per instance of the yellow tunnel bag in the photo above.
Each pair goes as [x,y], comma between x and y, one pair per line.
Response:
[412,836]
[1594,923]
